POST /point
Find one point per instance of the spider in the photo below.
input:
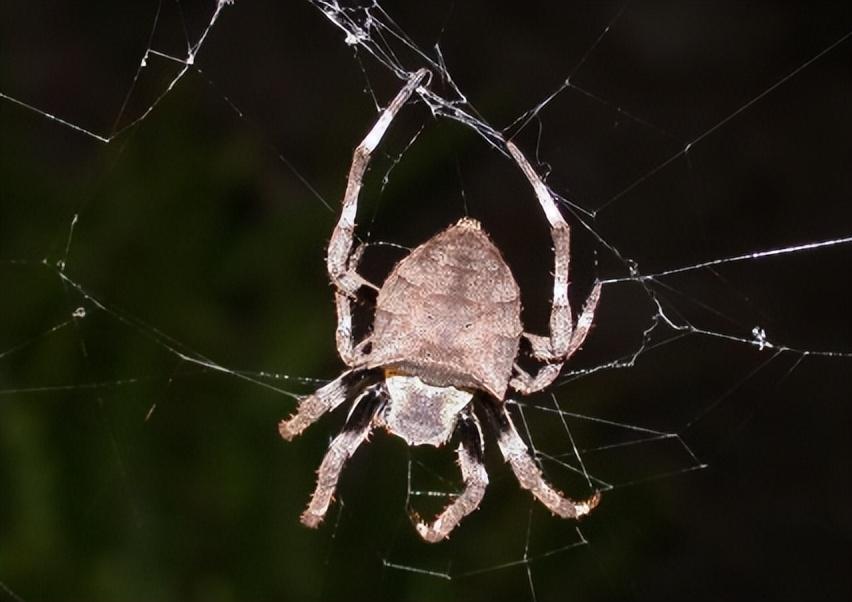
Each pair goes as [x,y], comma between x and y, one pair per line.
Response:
[445,337]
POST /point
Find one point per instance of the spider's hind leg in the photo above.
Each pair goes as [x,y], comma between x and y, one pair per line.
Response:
[470,452]
[341,260]
[354,433]
[565,338]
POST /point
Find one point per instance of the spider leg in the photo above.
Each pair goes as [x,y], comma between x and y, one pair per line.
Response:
[526,470]
[341,262]
[311,408]
[356,430]
[524,382]
[470,452]
[564,339]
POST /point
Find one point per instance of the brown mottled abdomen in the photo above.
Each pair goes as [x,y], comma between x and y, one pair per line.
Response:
[450,313]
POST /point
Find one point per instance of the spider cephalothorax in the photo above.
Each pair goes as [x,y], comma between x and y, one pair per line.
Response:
[445,337]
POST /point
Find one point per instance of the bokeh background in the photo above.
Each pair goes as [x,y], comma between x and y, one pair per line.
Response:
[128,472]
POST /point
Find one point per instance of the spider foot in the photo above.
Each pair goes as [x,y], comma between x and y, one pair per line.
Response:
[310,409]
[555,500]
[567,508]
[287,430]
[431,533]
[311,519]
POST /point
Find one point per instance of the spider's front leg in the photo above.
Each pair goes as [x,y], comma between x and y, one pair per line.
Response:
[565,338]
[345,387]
[341,262]
[529,475]
[470,453]
[354,433]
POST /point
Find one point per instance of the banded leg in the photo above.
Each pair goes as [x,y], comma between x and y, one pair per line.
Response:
[357,429]
[525,383]
[526,470]
[347,386]
[564,340]
[470,452]
[341,262]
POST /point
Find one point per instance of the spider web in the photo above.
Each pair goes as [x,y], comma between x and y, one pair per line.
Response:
[170,173]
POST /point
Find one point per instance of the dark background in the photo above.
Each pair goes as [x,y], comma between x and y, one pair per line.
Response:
[130,473]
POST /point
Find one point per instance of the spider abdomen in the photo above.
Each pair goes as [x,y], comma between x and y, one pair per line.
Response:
[450,313]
